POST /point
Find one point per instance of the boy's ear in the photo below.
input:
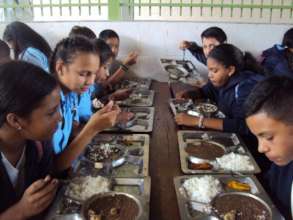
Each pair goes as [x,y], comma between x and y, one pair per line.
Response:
[231,70]
[13,120]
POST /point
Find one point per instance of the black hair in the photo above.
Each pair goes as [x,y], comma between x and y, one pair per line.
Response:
[4,50]
[23,86]
[104,50]
[288,38]
[67,49]
[229,55]
[273,96]
[82,31]
[214,32]
[23,37]
[107,34]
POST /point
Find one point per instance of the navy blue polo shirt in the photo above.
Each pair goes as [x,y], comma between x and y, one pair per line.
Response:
[279,186]
[197,52]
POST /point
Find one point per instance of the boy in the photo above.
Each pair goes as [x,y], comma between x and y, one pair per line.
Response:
[211,37]
[269,115]
[117,69]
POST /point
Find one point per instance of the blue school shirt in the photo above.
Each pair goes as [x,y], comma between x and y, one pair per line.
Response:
[279,185]
[69,112]
[275,62]
[230,99]
[36,57]
[85,104]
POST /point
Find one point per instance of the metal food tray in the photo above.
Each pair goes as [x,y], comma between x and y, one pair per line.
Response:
[137,83]
[143,123]
[136,161]
[187,212]
[63,206]
[188,71]
[140,98]
[188,105]
[228,140]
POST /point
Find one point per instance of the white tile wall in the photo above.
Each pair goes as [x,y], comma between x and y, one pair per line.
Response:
[155,40]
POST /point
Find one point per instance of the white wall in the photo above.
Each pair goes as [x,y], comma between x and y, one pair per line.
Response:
[154,40]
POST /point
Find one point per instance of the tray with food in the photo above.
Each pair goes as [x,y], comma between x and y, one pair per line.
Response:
[187,106]
[77,193]
[135,83]
[118,155]
[223,197]
[181,70]
[214,152]
[135,119]
[140,98]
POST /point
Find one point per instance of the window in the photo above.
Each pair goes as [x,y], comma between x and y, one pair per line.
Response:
[251,11]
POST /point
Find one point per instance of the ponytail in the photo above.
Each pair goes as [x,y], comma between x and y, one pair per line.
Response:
[251,64]
[229,55]
[67,49]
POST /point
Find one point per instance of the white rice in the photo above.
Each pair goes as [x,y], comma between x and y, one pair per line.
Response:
[202,189]
[235,162]
[82,188]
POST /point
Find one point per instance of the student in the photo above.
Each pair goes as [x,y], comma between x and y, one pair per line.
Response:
[96,90]
[278,60]
[117,69]
[27,44]
[4,52]
[29,117]
[82,31]
[269,115]
[211,37]
[74,63]
[232,76]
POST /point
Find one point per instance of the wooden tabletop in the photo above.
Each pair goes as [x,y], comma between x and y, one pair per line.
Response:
[164,158]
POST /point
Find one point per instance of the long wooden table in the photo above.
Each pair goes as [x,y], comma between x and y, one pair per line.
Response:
[164,158]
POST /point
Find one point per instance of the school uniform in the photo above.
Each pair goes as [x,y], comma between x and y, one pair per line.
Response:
[279,181]
[69,112]
[230,99]
[197,52]
[36,57]
[85,104]
[34,164]
[276,61]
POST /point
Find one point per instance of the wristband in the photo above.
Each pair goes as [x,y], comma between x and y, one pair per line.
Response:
[124,67]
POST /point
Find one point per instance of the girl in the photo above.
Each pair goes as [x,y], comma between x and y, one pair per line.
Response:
[278,60]
[29,106]
[75,63]
[232,75]
[85,103]
[27,44]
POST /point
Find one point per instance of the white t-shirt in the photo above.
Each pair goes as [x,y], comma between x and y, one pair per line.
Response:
[11,170]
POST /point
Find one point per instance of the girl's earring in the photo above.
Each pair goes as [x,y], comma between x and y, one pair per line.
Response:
[19,128]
